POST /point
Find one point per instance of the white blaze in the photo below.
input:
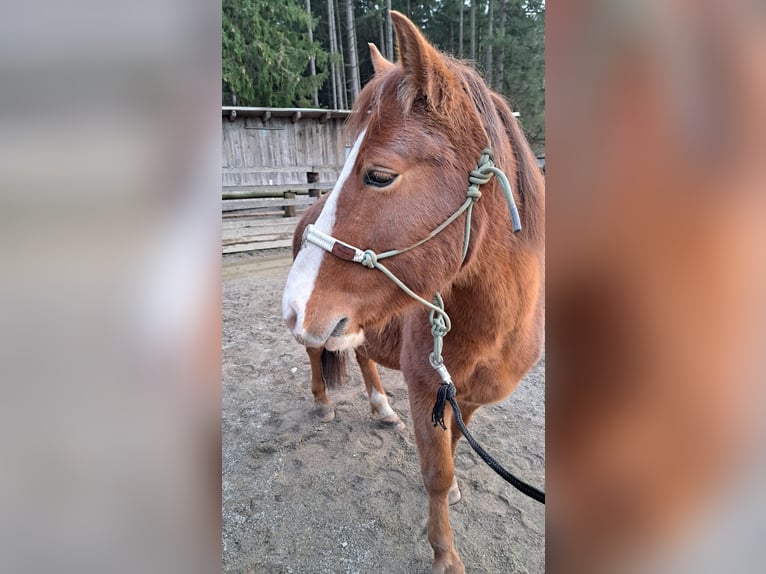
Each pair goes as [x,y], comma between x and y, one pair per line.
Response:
[303,273]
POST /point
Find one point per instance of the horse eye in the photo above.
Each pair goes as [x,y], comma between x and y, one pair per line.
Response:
[379,178]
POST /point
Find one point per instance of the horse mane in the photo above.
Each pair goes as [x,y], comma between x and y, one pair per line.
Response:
[488,121]
[501,126]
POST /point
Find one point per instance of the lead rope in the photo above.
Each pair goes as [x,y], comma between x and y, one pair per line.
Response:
[438,318]
[446,393]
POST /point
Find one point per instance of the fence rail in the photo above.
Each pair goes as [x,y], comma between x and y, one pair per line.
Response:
[267,191]
[288,200]
[261,217]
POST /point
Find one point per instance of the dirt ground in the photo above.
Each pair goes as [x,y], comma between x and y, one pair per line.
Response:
[304,497]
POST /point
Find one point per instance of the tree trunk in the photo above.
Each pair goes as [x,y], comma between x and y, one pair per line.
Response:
[342,67]
[333,50]
[500,58]
[337,102]
[390,31]
[473,31]
[312,61]
[352,64]
[460,30]
[382,32]
[488,41]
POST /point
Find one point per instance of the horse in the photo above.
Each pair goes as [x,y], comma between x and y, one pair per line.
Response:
[421,126]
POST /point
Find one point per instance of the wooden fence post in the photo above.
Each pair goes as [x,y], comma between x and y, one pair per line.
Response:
[289,209]
[313,177]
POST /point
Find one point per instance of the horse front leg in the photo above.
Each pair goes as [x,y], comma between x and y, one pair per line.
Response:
[438,470]
[466,411]
[378,401]
[322,406]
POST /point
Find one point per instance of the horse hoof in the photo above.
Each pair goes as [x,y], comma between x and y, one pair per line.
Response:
[454,495]
[449,564]
[393,421]
[325,413]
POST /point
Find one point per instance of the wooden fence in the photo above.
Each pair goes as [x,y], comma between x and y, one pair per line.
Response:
[276,162]
[262,223]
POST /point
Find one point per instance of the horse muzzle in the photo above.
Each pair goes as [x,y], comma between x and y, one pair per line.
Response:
[334,336]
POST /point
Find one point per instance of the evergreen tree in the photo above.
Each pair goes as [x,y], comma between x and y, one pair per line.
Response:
[267,54]
[267,51]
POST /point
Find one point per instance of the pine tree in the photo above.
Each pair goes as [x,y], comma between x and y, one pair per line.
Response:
[266,53]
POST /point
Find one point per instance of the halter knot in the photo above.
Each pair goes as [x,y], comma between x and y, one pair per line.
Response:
[439,326]
[482,173]
[473,193]
[369,258]
[478,177]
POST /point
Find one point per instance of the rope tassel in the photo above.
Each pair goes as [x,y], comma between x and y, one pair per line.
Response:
[445,393]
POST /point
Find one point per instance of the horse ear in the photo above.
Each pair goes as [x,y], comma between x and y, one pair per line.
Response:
[423,66]
[379,63]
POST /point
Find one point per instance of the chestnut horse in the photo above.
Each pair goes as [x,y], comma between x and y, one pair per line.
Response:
[421,127]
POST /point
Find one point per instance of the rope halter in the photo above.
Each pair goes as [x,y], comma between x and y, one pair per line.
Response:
[440,321]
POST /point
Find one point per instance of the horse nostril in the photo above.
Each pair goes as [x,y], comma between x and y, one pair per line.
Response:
[340,327]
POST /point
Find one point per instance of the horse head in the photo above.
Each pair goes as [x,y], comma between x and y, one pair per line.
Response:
[419,128]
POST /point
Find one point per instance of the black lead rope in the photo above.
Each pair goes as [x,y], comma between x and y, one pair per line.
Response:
[447,393]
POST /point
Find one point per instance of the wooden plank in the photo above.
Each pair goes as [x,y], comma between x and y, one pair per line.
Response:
[262,213]
[242,236]
[239,204]
[256,238]
[260,223]
[282,169]
[275,225]
[265,191]
[249,214]
[240,247]
[276,188]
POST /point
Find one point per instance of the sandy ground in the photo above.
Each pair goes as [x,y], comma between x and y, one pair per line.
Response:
[300,496]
